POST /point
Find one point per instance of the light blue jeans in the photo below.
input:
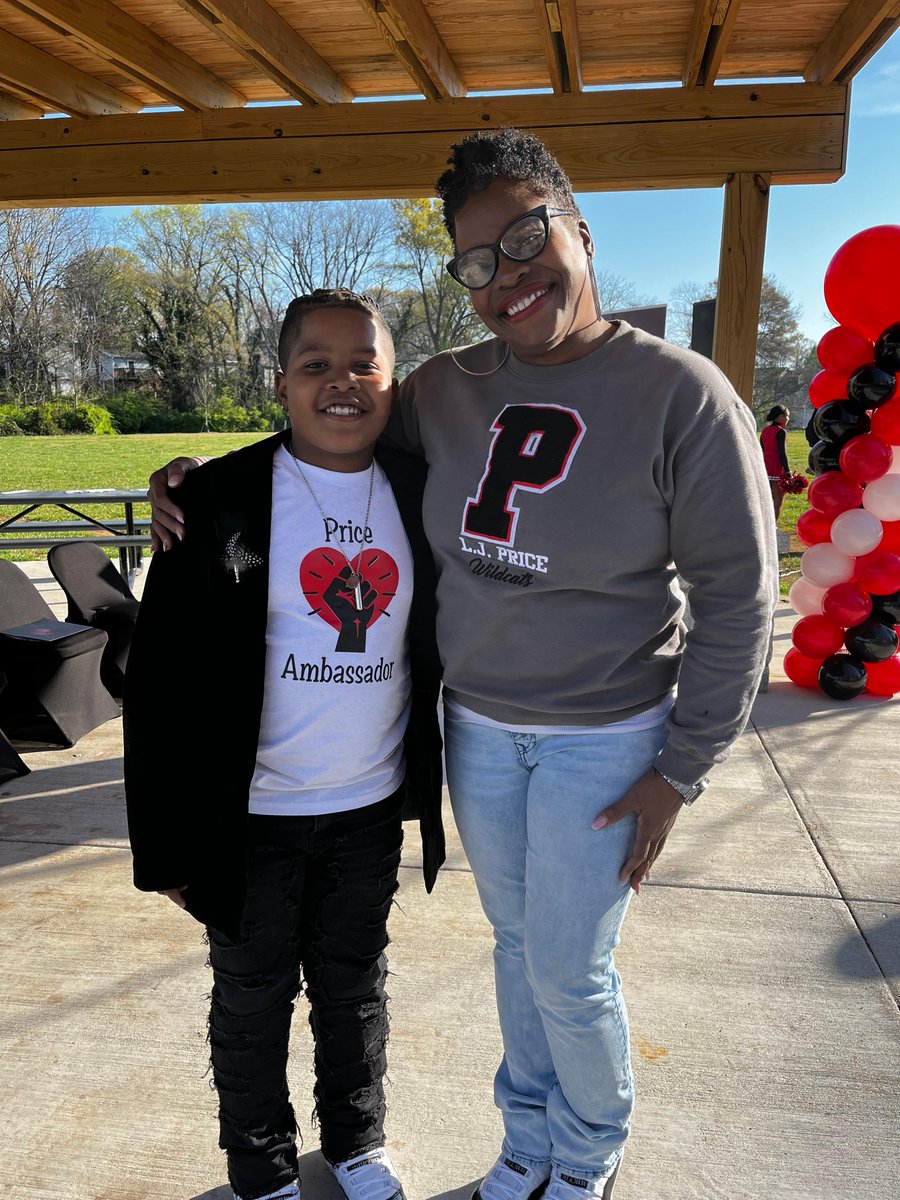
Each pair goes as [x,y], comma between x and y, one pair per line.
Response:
[549,885]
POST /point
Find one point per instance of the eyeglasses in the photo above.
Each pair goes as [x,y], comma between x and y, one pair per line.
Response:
[521,240]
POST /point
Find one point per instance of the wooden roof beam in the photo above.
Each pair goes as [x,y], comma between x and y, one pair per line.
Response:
[261,34]
[863,27]
[711,29]
[14,109]
[409,31]
[558,27]
[54,84]
[108,32]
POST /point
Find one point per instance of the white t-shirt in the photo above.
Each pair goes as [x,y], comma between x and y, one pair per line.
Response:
[337,690]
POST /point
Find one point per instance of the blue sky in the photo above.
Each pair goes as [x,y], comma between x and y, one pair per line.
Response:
[660,239]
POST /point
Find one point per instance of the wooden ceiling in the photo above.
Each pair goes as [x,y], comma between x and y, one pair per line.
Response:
[668,120]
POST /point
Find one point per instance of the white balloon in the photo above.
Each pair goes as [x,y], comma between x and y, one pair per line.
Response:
[856,532]
[824,565]
[882,498]
[894,468]
[805,598]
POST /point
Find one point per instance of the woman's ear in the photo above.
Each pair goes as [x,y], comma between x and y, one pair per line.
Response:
[586,239]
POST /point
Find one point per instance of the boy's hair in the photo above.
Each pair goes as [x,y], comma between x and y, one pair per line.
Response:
[326,298]
[512,154]
[776,411]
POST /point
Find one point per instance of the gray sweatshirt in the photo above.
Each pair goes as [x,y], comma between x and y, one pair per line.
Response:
[562,503]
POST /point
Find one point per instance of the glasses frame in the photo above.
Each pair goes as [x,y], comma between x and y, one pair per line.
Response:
[542,211]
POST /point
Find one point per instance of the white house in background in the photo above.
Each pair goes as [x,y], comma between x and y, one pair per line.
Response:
[111,372]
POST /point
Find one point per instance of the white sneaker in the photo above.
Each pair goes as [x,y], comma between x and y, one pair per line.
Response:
[563,1186]
[369,1176]
[510,1180]
[290,1191]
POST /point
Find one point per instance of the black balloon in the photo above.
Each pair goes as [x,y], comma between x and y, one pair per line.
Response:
[840,420]
[870,386]
[872,641]
[887,349]
[824,456]
[889,606]
[842,677]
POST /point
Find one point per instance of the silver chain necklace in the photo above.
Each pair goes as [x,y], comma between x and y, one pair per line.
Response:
[354,579]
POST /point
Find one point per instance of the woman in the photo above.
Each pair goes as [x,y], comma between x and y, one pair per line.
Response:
[572,464]
[773,440]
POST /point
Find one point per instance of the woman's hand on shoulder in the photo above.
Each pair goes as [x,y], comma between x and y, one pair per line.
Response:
[166,518]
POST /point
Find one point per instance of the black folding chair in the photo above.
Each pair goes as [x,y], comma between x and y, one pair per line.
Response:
[11,764]
[98,596]
[54,692]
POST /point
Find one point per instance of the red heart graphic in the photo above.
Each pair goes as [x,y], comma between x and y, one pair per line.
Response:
[321,565]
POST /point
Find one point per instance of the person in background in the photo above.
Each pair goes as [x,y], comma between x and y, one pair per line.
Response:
[773,440]
[576,468]
[266,787]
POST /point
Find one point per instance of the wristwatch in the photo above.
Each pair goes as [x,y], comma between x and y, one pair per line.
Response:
[687,791]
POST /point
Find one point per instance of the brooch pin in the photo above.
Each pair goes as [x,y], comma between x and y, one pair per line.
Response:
[238,558]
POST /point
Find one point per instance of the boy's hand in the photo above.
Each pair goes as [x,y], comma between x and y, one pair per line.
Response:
[167,519]
[176,895]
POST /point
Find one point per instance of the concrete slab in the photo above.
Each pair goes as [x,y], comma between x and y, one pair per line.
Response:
[757,964]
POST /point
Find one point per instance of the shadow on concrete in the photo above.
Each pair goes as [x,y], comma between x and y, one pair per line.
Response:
[870,959]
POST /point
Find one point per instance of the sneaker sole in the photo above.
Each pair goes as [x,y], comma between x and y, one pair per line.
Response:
[535,1195]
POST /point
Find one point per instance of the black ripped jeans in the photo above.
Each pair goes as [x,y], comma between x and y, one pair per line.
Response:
[319,890]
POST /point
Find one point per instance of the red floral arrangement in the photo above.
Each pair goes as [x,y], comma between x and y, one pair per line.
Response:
[793,484]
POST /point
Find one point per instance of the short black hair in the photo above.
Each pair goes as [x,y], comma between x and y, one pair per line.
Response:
[326,298]
[513,154]
[776,411]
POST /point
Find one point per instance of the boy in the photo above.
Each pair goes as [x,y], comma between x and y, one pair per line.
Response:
[313,663]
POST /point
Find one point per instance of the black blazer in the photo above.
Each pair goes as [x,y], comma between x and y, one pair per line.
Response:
[194,685]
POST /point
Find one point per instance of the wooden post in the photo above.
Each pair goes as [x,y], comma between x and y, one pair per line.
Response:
[740,278]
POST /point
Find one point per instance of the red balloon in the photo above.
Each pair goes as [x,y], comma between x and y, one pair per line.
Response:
[882,679]
[814,526]
[886,422]
[817,637]
[802,670]
[865,458]
[842,350]
[862,281]
[825,387]
[890,536]
[846,604]
[879,572]
[834,493]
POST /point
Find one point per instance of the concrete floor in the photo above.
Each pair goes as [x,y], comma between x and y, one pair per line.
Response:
[761,967]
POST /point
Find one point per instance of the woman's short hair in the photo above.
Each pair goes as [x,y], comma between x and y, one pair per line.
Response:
[776,411]
[511,154]
[300,306]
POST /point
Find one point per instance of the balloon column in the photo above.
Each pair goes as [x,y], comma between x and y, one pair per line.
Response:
[848,593]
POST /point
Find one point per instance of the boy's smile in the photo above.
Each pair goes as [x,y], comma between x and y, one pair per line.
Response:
[337,388]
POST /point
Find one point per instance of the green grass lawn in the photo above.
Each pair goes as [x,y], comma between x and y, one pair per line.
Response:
[80,462]
[73,463]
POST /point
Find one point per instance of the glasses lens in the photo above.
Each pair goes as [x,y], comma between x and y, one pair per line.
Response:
[475,268]
[525,238]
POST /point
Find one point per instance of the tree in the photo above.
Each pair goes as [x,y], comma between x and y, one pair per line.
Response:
[35,247]
[616,292]
[430,312]
[97,305]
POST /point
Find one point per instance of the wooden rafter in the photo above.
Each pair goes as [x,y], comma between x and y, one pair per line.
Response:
[14,109]
[410,33]
[108,32]
[558,26]
[261,34]
[711,29]
[56,85]
[666,137]
[861,29]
